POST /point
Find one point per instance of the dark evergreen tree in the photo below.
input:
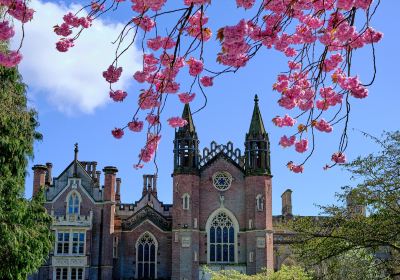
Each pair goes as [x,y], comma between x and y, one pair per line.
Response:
[25,235]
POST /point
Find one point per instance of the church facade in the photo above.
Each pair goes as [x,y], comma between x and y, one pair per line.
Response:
[221,216]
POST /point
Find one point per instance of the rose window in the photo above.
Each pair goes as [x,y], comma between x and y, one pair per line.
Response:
[222,180]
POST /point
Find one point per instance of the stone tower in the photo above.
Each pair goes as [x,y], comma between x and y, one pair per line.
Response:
[185,235]
[258,195]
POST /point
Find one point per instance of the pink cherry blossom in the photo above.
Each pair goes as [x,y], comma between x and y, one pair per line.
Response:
[323,126]
[177,122]
[10,59]
[285,121]
[63,30]
[206,81]
[64,44]
[195,66]
[118,95]
[247,4]
[301,146]
[117,133]
[148,99]
[144,22]
[186,97]
[287,142]
[339,157]
[140,76]
[20,11]
[135,126]
[112,74]
[152,119]
[6,31]
[295,168]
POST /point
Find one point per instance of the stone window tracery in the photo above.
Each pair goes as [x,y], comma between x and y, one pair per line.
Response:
[222,239]
[146,257]
[73,204]
[222,180]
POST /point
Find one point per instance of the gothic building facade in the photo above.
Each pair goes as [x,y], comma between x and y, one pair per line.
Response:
[221,215]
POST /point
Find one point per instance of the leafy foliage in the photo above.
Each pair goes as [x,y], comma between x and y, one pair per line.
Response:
[347,230]
[285,273]
[25,236]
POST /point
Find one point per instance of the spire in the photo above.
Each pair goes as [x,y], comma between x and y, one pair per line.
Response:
[257,153]
[76,150]
[256,125]
[186,151]
[187,115]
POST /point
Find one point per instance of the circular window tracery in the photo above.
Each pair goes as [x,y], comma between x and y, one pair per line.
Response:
[222,180]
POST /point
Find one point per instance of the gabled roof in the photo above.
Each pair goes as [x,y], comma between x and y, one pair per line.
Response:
[226,157]
[147,213]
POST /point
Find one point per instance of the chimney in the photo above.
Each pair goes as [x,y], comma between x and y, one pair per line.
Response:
[287,203]
[39,177]
[110,173]
[49,178]
[98,173]
[117,192]
[144,190]
[155,185]
[94,165]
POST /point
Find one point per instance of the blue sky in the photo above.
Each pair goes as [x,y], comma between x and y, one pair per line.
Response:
[71,98]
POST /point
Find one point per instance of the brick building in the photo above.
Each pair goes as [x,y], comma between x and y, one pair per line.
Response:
[221,214]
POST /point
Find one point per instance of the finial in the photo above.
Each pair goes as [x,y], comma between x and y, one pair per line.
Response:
[76,160]
[256,98]
[76,150]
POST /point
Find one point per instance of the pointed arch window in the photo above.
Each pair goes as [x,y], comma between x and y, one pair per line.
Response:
[259,202]
[186,201]
[74,202]
[222,239]
[146,257]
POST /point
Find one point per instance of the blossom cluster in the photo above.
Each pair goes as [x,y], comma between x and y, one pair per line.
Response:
[17,10]
[312,85]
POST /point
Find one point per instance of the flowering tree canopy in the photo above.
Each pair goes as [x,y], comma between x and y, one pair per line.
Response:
[317,37]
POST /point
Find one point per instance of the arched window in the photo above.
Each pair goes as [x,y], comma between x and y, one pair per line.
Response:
[185,201]
[222,230]
[146,257]
[259,202]
[74,204]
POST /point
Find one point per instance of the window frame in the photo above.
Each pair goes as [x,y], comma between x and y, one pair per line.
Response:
[70,242]
[235,226]
[137,244]
[76,203]
[186,201]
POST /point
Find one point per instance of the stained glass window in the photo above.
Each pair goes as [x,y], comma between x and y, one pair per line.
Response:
[222,239]
[146,257]
[222,180]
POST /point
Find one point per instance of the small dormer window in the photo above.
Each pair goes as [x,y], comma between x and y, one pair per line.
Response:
[186,201]
[73,204]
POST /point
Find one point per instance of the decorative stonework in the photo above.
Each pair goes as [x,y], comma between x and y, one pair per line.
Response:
[68,261]
[186,241]
[222,180]
[73,220]
[215,149]
[260,242]
[146,213]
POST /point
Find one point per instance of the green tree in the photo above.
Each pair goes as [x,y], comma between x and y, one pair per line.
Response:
[347,231]
[285,273]
[25,235]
